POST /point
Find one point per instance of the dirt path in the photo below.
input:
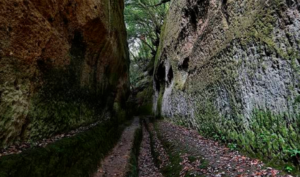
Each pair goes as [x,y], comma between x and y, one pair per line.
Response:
[168,150]
[146,164]
[116,163]
[192,155]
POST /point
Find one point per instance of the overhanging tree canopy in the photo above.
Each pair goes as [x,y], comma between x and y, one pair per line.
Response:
[144,20]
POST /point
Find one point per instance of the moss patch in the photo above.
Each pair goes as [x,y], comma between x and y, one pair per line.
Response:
[75,156]
[274,138]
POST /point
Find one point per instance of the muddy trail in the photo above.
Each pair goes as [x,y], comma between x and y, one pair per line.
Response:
[163,149]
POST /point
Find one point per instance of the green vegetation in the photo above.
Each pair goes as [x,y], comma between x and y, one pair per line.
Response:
[232,146]
[293,152]
[144,19]
[274,138]
[288,169]
[74,156]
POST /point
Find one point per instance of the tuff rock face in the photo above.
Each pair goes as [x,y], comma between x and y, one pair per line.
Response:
[228,52]
[223,62]
[62,64]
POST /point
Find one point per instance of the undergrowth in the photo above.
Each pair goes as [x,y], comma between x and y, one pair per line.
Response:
[274,138]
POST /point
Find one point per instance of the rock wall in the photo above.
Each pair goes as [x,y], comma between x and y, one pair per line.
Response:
[63,64]
[230,68]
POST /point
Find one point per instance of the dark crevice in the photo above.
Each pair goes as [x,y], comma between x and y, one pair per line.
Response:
[50,19]
[43,65]
[268,52]
[66,21]
[9,29]
[170,75]
[298,60]
[196,10]
[225,11]
[24,128]
[290,3]
[78,50]
[193,20]
[184,65]
[16,84]
[290,39]
[160,76]
[191,14]
[276,65]
[26,3]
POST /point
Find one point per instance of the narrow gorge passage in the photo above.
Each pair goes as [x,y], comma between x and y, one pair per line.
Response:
[149,88]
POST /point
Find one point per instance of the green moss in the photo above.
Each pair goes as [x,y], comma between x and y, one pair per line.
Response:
[62,103]
[257,23]
[174,169]
[52,116]
[75,156]
[267,136]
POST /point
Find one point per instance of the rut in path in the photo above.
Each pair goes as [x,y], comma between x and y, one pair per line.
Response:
[117,162]
[146,163]
[194,154]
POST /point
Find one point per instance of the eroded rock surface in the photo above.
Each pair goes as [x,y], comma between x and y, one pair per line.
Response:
[226,67]
[62,63]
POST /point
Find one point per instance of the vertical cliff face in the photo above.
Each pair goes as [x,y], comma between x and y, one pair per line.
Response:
[62,64]
[231,67]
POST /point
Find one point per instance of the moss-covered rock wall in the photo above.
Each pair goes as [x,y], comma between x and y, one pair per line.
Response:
[230,68]
[63,64]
